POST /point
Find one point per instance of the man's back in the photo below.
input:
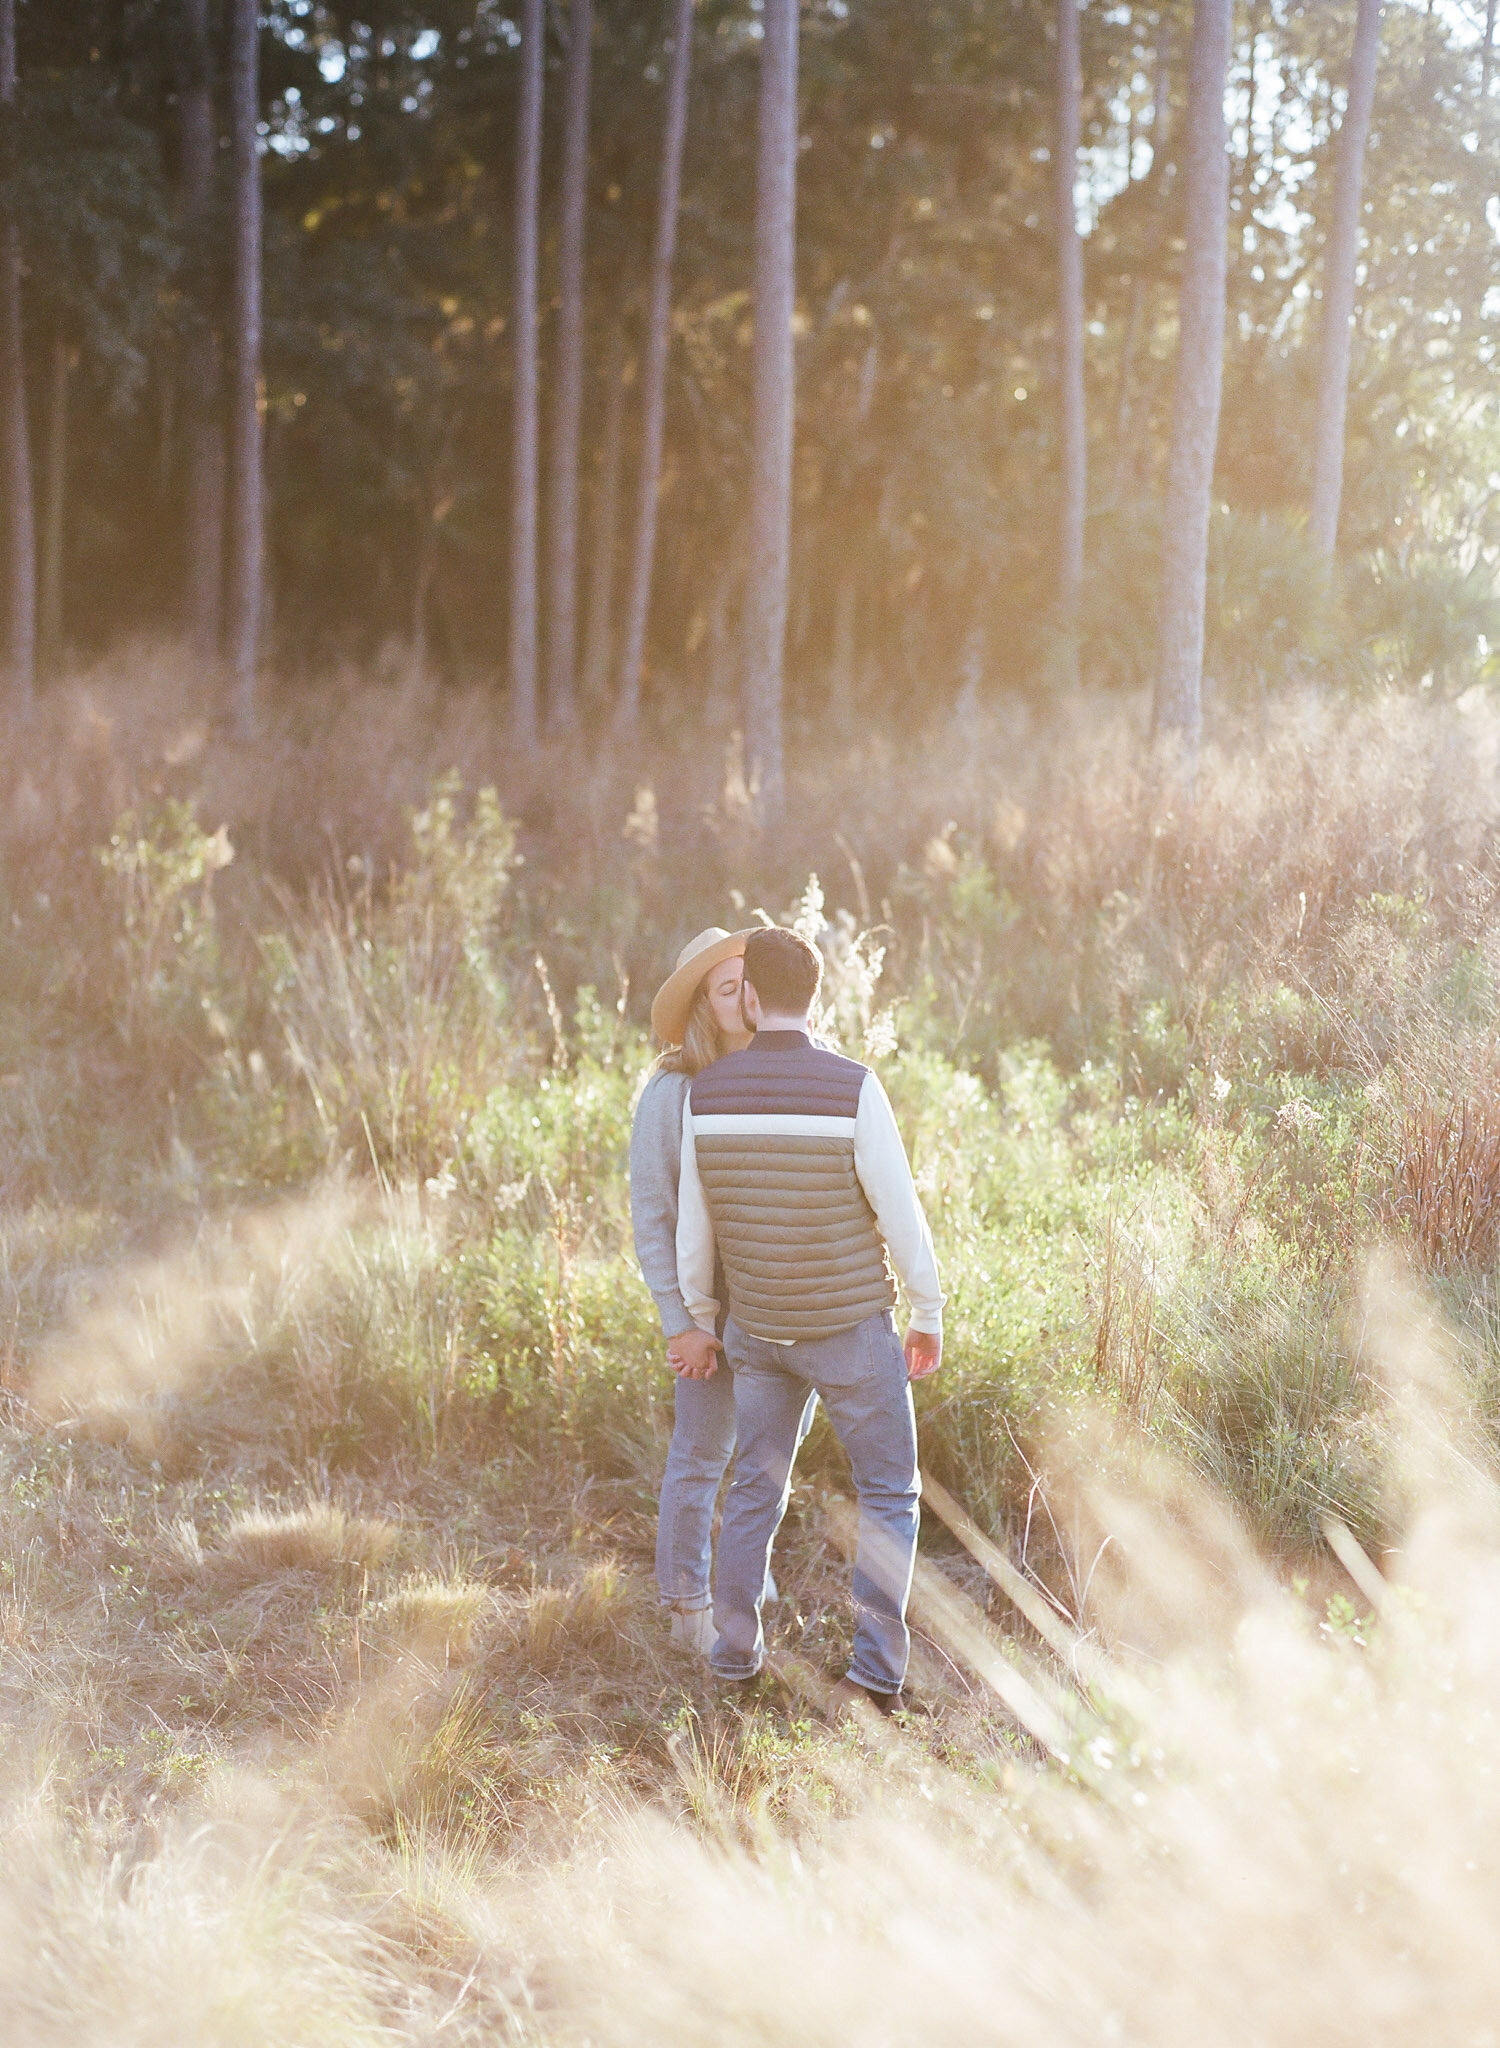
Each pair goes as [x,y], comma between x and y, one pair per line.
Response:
[775,1128]
[780,1071]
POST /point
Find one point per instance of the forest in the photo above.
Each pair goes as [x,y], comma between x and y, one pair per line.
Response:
[486,337]
[1006,492]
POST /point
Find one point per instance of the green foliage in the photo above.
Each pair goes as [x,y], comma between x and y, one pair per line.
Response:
[162,866]
[1269,600]
[84,177]
[1424,615]
[1165,1075]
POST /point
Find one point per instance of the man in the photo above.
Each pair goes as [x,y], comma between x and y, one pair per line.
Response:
[793,1168]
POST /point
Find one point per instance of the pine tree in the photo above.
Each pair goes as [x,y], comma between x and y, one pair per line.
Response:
[246,536]
[567,412]
[654,371]
[774,400]
[202,380]
[1178,704]
[598,643]
[15,446]
[54,492]
[1340,261]
[1074,447]
[523,534]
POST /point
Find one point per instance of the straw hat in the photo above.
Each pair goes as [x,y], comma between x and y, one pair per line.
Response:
[674,999]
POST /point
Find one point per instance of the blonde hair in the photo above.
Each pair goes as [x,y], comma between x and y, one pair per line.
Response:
[702,1040]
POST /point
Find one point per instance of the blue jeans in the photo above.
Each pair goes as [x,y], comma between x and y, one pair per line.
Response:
[702,1441]
[860,1375]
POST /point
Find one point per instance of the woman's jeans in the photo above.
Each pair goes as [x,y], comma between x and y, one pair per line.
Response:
[861,1376]
[701,1447]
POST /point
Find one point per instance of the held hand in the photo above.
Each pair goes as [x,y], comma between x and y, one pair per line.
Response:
[924,1354]
[692,1355]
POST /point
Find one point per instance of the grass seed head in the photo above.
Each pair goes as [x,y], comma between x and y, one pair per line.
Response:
[320,1537]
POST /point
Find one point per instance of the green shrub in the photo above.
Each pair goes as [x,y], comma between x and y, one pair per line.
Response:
[161,865]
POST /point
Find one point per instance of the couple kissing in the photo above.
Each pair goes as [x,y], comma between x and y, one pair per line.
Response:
[773,1209]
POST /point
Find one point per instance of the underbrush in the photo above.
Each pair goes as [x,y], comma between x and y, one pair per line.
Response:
[438,1805]
[330,1164]
[334,1403]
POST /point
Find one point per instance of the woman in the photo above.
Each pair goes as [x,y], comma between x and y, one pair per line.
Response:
[696,1016]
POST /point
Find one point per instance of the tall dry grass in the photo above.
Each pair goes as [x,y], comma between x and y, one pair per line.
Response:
[1243,1816]
[334,1701]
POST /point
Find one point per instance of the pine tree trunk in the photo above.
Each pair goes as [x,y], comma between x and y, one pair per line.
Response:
[1340,260]
[54,510]
[1132,417]
[1069,339]
[421,599]
[166,433]
[246,548]
[1200,374]
[203,421]
[523,594]
[15,438]
[774,380]
[598,639]
[971,666]
[844,654]
[1125,402]
[567,408]
[654,374]
[723,644]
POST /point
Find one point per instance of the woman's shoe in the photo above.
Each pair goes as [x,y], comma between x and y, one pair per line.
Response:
[693,1627]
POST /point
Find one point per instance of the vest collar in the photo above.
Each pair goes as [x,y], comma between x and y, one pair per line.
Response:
[779,1041]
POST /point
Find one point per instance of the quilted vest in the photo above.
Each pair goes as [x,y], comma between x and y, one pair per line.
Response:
[774,1138]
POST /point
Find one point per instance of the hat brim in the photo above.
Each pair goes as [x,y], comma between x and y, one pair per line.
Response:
[674,999]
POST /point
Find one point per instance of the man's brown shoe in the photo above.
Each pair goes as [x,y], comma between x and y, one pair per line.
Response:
[850,1698]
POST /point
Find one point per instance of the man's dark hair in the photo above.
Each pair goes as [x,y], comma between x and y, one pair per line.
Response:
[785,971]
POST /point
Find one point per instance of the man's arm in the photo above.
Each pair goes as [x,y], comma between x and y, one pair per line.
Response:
[884,1174]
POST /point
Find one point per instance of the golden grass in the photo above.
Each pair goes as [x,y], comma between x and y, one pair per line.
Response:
[238,1930]
[262,1790]
[434,1617]
[579,1616]
[149,1335]
[320,1537]
[1268,1822]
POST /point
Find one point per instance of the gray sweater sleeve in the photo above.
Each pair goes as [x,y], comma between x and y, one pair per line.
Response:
[655,1163]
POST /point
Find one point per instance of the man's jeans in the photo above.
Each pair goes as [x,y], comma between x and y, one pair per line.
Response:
[860,1373]
[702,1440]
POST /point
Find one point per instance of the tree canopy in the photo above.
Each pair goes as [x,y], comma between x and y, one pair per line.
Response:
[927,465]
